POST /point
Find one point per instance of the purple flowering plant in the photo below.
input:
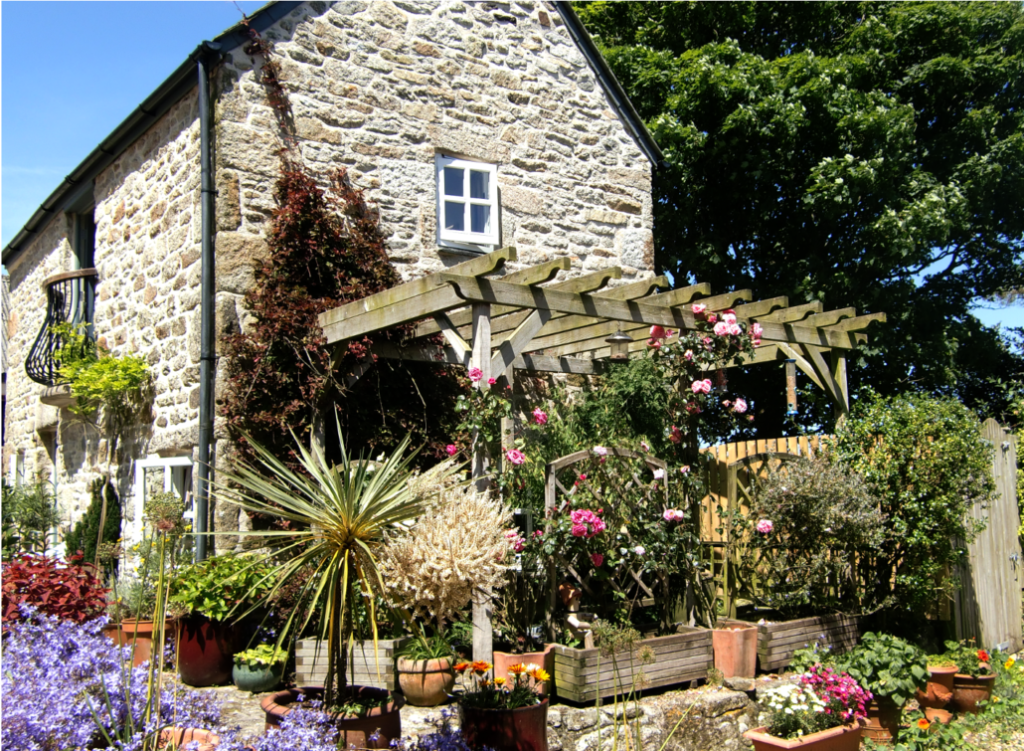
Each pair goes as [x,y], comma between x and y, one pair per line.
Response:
[65,685]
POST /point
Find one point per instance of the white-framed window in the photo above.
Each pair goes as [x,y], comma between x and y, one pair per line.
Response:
[467,202]
[167,474]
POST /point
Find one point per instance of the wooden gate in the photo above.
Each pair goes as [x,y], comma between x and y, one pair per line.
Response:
[988,605]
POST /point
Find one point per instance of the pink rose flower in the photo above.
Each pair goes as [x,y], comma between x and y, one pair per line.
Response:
[596,558]
[728,316]
[601,450]
[475,374]
[711,317]
[756,330]
[735,329]
[451,449]
[685,469]
[539,417]
[639,550]
[491,381]
[675,434]
[701,387]
[688,355]
[740,406]
[764,526]
[654,343]
[698,309]
[579,530]
[515,456]
[645,446]
[658,332]
[721,329]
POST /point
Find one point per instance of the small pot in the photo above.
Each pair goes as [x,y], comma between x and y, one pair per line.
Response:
[842,738]
[883,720]
[523,729]
[968,691]
[939,689]
[385,724]
[139,636]
[205,651]
[942,716]
[546,659]
[258,679]
[735,645]
[178,737]
[425,683]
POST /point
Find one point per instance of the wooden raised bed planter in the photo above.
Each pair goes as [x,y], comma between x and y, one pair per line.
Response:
[362,669]
[677,658]
[777,642]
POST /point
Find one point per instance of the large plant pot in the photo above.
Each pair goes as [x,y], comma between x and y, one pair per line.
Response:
[259,679]
[842,738]
[939,689]
[114,633]
[735,645]
[178,737]
[968,691]
[385,725]
[546,659]
[883,720]
[139,636]
[426,683]
[205,649]
[523,729]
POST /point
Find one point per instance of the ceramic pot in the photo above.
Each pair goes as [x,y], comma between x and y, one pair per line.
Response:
[735,645]
[523,729]
[934,714]
[968,691]
[178,737]
[257,679]
[139,636]
[842,738]
[384,724]
[425,683]
[546,659]
[205,649]
[939,689]
[114,633]
[883,720]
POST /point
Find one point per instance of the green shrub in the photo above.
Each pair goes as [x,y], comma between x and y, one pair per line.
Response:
[28,514]
[928,465]
[83,537]
[889,667]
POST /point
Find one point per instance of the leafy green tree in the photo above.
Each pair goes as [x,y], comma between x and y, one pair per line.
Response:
[84,536]
[860,154]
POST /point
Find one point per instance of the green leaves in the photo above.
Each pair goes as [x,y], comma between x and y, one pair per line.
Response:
[886,665]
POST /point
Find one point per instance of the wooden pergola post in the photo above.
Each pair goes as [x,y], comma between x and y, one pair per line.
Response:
[480,357]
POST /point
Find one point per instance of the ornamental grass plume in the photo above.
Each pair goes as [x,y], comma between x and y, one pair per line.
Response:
[453,550]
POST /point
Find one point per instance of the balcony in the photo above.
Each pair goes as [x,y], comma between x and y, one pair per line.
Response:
[69,299]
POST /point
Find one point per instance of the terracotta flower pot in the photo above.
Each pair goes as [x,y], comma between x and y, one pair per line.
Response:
[546,659]
[842,738]
[139,636]
[939,689]
[735,645]
[205,651]
[376,730]
[968,691]
[883,720]
[425,683]
[178,737]
[933,714]
[114,633]
[523,729]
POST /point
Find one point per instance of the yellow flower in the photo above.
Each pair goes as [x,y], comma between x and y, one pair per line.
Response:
[499,681]
[517,669]
[1009,663]
[540,675]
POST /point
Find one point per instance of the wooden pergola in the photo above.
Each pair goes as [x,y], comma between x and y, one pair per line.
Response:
[529,320]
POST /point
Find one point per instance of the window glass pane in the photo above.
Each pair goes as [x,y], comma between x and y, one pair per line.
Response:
[478,184]
[480,218]
[455,215]
[453,181]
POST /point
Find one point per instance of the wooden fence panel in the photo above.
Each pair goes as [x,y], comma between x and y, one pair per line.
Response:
[988,606]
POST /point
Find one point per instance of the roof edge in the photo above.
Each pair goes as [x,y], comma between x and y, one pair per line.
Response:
[156,105]
[612,88]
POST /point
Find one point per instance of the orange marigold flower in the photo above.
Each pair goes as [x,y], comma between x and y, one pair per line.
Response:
[923,724]
[460,667]
[517,669]
[983,655]
[480,667]
[540,675]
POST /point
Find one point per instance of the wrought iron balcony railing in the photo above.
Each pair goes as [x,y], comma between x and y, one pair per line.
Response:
[69,299]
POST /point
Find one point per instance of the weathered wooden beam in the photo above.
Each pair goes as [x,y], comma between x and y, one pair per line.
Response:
[838,363]
[520,340]
[455,341]
[531,362]
[437,300]
[857,324]
[480,357]
[804,364]
[795,313]
[761,307]
[485,264]
[684,296]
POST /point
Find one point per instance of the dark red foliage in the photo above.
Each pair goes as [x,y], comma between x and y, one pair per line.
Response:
[66,590]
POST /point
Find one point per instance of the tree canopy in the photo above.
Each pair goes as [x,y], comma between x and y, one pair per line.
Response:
[863,154]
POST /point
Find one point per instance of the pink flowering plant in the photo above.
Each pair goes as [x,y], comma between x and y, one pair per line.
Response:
[822,699]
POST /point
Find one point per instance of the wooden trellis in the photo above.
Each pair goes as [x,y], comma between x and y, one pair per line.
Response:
[531,320]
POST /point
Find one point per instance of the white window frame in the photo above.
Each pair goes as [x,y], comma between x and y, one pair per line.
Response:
[467,239]
[175,476]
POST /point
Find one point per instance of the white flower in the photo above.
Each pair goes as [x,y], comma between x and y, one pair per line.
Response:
[659,474]
[600,450]
[639,550]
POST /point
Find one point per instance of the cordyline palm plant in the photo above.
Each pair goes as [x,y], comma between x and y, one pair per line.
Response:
[341,512]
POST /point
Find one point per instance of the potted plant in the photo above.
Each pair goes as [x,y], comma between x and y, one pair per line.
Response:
[975,679]
[892,670]
[504,714]
[259,669]
[336,516]
[208,592]
[939,690]
[431,573]
[824,710]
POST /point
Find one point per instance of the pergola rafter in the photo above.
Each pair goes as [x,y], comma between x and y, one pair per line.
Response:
[527,319]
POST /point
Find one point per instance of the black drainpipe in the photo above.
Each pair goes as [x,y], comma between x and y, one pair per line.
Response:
[205,54]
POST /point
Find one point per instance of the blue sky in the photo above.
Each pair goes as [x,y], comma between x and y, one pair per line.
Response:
[70,72]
